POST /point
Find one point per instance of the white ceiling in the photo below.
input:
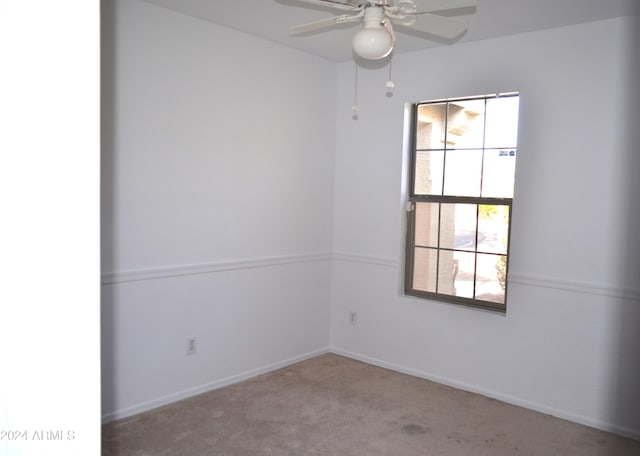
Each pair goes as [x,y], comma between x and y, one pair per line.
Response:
[271,19]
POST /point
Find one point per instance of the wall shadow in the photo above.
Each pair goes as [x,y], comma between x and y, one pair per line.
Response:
[626,389]
[107,210]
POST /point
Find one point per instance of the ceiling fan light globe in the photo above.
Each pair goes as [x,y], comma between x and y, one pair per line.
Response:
[372,43]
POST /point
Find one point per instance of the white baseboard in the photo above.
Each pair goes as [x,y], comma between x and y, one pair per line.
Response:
[562,414]
[174,397]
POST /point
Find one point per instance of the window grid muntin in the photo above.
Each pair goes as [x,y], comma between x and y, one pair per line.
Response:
[441,198]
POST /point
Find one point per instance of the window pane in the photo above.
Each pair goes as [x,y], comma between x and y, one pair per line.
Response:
[426,229]
[502,123]
[458,226]
[462,172]
[498,173]
[463,162]
[429,170]
[465,124]
[424,269]
[430,126]
[456,272]
[491,278]
[493,228]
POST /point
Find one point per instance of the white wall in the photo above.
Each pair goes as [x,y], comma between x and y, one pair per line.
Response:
[566,345]
[217,205]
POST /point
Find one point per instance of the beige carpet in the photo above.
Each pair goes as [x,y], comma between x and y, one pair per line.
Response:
[331,405]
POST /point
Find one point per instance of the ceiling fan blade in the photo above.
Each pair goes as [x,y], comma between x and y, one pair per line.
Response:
[437,25]
[348,5]
[323,23]
[430,6]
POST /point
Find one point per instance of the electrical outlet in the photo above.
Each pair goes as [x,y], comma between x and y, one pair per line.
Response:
[191,345]
[353,317]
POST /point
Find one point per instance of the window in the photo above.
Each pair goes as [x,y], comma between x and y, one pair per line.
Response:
[463,156]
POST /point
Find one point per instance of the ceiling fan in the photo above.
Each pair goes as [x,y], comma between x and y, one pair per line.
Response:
[376,38]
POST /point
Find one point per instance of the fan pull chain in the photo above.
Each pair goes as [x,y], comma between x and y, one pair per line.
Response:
[390,84]
[354,108]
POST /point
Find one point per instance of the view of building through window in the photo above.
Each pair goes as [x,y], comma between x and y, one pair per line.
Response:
[463,168]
